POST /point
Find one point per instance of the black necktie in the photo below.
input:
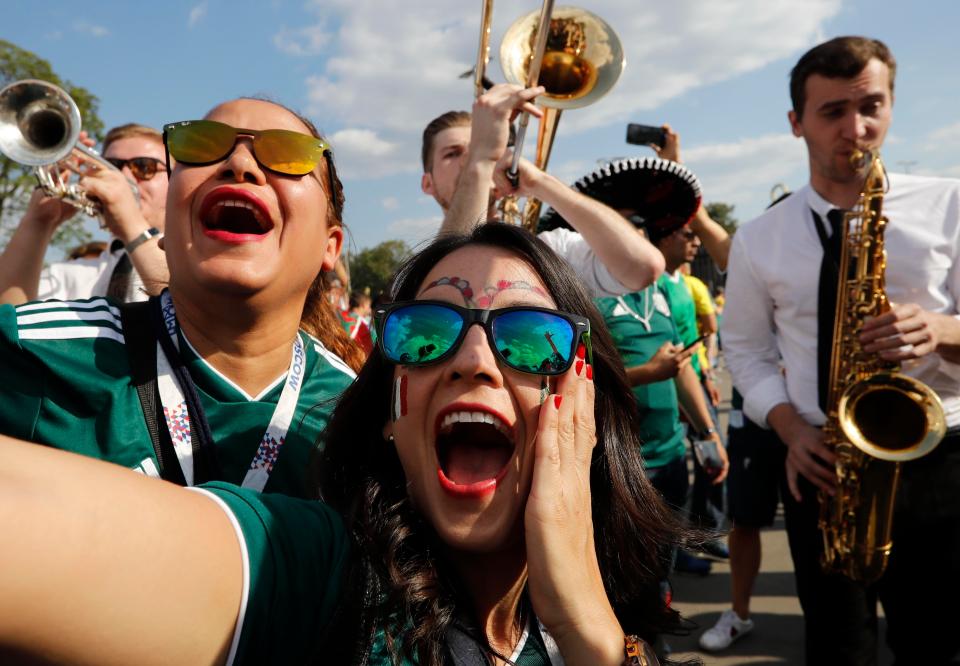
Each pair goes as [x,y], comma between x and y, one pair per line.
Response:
[827,297]
[119,283]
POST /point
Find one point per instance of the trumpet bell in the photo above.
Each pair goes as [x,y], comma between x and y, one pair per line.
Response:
[582,61]
[39,122]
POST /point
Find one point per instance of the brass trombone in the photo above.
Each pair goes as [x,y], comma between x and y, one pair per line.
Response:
[573,53]
[39,127]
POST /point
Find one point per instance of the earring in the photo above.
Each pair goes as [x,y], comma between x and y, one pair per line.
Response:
[390,439]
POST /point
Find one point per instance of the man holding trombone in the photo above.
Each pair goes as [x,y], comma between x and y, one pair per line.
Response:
[465,162]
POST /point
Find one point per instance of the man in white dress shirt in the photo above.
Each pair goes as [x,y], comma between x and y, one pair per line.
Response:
[842,94]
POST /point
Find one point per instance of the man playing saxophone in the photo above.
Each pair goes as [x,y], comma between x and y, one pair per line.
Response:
[842,95]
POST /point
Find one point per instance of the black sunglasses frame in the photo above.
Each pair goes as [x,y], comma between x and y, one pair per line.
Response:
[237,132]
[485,318]
[119,163]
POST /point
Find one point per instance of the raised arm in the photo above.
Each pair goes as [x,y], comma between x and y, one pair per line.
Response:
[715,238]
[629,257]
[22,261]
[489,133]
[101,565]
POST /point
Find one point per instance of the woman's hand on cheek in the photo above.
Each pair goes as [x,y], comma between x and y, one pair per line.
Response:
[564,578]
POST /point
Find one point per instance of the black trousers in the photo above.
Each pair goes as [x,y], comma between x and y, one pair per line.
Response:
[920,590]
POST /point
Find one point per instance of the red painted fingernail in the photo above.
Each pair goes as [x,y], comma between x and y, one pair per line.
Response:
[581,351]
[579,367]
[557,399]
[589,372]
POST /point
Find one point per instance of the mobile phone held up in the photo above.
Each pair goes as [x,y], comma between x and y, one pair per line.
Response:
[695,342]
[644,135]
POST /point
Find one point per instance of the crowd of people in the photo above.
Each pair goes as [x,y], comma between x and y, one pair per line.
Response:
[506,458]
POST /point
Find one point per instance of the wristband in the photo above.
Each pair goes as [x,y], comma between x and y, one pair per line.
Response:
[142,238]
[705,434]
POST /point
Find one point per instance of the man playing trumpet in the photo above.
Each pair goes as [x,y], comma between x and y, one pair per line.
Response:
[133,266]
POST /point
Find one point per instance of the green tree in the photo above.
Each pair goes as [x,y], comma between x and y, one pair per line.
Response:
[722,214]
[374,267]
[16,180]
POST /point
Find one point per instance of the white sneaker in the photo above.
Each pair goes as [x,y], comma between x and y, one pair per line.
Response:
[727,629]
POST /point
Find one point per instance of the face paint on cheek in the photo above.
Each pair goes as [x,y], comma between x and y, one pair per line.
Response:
[399,397]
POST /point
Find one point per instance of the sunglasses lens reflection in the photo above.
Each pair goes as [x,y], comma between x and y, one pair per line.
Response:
[420,333]
[534,341]
[288,152]
[200,142]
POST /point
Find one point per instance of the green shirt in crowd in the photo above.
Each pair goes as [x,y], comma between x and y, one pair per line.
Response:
[684,310]
[640,324]
[65,382]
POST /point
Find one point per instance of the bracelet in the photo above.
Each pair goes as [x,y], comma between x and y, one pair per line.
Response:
[142,238]
[638,653]
[705,434]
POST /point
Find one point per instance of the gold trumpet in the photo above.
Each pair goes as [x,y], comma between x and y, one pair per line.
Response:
[39,127]
[573,53]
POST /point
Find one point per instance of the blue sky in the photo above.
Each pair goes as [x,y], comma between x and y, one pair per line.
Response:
[372,73]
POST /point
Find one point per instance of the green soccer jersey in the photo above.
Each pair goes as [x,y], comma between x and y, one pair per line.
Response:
[640,324]
[65,382]
[684,310]
[295,553]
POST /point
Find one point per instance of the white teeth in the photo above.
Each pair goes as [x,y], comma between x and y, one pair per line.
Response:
[238,203]
[475,417]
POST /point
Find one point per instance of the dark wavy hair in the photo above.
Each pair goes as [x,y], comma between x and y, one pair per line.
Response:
[399,581]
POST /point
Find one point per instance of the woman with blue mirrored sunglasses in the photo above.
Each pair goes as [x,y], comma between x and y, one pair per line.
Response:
[485,508]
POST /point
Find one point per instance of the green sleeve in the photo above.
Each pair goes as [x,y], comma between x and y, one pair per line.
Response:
[21,381]
[296,551]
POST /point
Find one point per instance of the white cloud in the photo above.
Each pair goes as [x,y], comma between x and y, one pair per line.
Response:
[307,41]
[390,203]
[396,65]
[414,230]
[362,153]
[744,172]
[196,14]
[945,138]
[92,29]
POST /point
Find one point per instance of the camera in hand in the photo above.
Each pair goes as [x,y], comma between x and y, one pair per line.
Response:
[644,135]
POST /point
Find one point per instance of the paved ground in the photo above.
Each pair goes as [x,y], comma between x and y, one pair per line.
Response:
[778,635]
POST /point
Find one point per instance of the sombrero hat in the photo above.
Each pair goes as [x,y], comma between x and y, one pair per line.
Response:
[664,194]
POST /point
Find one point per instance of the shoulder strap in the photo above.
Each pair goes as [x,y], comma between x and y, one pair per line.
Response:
[141,348]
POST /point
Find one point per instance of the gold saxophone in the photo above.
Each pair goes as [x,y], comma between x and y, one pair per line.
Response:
[877,418]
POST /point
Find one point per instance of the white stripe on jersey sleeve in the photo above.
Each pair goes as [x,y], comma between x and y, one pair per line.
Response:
[71,333]
[68,315]
[91,304]
[245,559]
[332,358]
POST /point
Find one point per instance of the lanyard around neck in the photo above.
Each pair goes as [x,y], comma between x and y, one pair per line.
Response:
[182,410]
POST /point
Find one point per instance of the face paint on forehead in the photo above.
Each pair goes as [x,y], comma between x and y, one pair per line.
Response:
[488,293]
[399,402]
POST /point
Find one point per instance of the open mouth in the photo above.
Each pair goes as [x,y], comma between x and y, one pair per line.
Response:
[474,449]
[234,214]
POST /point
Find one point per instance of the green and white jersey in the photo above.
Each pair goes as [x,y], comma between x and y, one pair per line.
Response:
[640,323]
[294,554]
[65,382]
[684,310]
